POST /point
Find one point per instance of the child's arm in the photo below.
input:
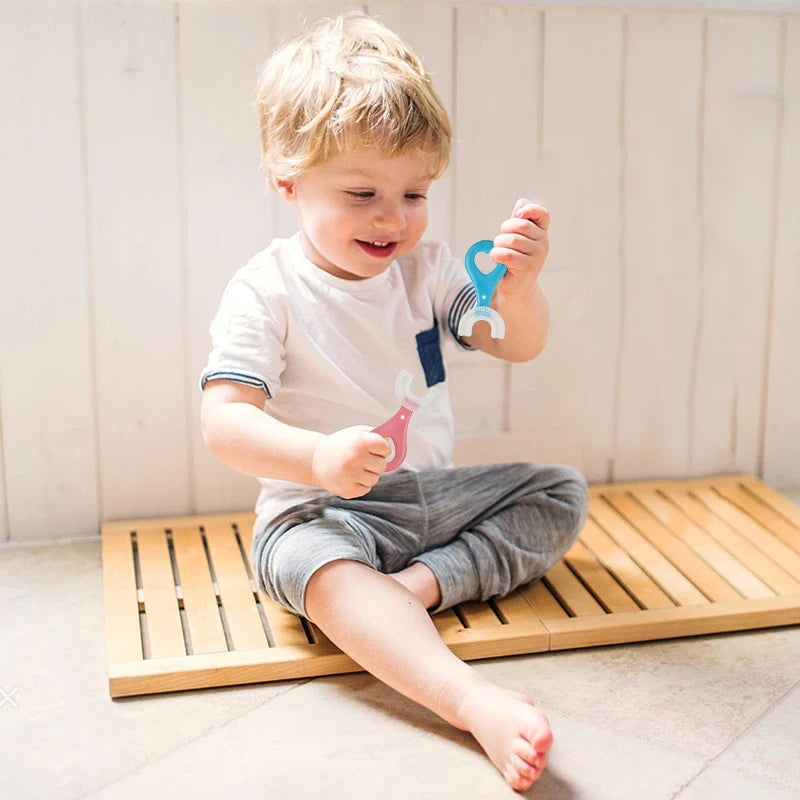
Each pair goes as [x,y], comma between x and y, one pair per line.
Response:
[522,246]
[242,435]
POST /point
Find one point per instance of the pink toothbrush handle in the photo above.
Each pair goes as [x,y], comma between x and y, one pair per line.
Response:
[395,429]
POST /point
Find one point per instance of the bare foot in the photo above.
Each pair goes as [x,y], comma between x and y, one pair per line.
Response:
[514,733]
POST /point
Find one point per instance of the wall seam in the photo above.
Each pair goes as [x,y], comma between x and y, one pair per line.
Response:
[622,251]
[773,254]
[183,250]
[701,247]
[90,257]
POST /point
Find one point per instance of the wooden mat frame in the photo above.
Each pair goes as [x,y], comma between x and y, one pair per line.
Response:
[656,560]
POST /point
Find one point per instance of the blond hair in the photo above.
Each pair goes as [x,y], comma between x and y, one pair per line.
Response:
[347,84]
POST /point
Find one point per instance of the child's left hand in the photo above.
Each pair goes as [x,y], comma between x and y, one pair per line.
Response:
[522,244]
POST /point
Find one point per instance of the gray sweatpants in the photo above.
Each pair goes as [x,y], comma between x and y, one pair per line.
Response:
[483,531]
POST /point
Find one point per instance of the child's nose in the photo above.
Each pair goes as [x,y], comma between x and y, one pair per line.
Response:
[389,216]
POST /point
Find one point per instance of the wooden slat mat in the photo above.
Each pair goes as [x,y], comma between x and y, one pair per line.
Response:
[656,559]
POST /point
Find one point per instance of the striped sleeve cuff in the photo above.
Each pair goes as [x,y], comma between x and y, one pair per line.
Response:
[464,301]
[249,379]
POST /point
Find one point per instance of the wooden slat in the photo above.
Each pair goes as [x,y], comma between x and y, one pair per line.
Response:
[781,504]
[611,596]
[123,635]
[667,623]
[199,598]
[285,627]
[734,571]
[669,579]
[164,630]
[747,526]
[542,601]
[570,591]
[242,519]
[778,525]
[516,611]
[627,572]
[704,577]
[479,615]
[318,635]
[446,622]
[743,548]
[236,595]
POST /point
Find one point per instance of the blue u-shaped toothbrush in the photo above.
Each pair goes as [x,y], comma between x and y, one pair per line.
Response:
[485,283]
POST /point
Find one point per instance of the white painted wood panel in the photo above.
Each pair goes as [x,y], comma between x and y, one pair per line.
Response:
[129,62]
[575,399]
[661,243]
[229,214]
[738,191]
[781,455]
[497,123]
[663,143]
[46,408]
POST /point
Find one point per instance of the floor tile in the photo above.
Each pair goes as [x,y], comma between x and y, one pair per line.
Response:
[770,749]
[353,738]
[694,695]
[720,782]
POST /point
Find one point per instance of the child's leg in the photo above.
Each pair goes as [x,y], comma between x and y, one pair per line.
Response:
[531,515]
[386,629]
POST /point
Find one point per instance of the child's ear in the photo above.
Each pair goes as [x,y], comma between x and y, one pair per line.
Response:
[286,189]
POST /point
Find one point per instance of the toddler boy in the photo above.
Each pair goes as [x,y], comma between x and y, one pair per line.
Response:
[308,341]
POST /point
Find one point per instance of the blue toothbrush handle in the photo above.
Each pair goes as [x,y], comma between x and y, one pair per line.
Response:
[484,282]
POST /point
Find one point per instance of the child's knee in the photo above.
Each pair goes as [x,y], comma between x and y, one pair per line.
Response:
[574,492]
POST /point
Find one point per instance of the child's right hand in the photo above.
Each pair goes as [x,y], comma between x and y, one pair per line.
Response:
[349,463]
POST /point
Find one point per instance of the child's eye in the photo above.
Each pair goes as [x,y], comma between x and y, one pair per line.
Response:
[365,195]
[415,196]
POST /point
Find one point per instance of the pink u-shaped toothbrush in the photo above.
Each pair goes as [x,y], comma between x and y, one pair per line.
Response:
[395,429]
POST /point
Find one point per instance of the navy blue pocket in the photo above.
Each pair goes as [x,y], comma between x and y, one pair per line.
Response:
[430,355]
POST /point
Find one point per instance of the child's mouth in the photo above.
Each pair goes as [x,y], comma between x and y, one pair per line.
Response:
[377,249]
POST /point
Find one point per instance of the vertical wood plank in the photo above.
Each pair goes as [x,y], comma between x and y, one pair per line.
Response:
[46,402]
[574,396]
[660,245]
[498,79]
[228,209]
[134,232]
[740,125]
[780,464]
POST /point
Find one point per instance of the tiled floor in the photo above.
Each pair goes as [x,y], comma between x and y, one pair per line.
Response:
[695,719]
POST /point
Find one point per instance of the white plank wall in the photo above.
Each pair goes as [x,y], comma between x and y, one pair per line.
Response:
[663,140]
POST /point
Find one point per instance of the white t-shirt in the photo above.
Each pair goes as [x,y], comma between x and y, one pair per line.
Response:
[327,351]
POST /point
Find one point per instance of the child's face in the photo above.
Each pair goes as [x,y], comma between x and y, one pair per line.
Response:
[360,211]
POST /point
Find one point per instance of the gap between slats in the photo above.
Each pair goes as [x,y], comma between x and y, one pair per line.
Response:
[277,626]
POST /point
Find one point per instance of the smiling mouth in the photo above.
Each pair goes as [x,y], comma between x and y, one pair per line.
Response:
[377,248]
